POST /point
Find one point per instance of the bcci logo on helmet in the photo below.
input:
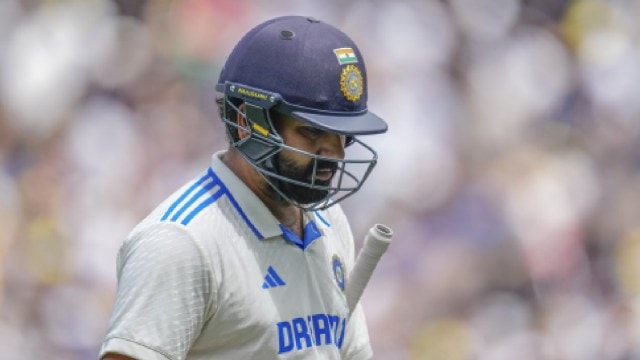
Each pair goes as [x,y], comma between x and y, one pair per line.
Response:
[351,83]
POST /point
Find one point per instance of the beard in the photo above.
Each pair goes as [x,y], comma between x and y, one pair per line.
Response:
[303,173]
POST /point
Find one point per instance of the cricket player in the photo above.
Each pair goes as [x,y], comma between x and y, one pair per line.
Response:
[250,259]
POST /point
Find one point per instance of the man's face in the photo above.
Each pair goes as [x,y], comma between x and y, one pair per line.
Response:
[300,167]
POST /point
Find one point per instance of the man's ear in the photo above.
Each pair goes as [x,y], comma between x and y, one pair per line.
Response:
[242,122]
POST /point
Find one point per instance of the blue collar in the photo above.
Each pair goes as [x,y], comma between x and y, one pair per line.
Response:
[311,233]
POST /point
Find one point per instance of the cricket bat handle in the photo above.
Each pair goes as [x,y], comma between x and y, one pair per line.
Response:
[376,242]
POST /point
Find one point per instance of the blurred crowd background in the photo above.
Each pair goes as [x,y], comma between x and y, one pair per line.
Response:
[510,173]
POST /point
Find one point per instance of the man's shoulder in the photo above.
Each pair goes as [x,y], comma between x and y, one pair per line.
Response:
[189,201]
[179,212]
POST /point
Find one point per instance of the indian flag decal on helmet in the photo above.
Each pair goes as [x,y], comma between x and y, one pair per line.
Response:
[346,56]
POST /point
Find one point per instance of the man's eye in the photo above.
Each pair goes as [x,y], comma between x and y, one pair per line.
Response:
[311,132]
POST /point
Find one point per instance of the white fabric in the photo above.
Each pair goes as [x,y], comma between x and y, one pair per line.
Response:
[197,285]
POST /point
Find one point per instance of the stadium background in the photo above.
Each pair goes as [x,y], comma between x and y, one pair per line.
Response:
[510,173]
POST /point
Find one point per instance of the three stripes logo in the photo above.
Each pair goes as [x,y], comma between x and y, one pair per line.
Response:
[196,198]
[272,279]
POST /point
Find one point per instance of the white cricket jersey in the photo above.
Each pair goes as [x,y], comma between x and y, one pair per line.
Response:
[211,274]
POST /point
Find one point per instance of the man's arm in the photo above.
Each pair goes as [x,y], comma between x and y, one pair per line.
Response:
[164,290]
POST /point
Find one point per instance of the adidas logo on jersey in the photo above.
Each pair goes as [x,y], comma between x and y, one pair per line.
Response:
[272,279]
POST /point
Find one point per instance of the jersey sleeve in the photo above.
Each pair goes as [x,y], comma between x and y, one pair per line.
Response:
[164,294]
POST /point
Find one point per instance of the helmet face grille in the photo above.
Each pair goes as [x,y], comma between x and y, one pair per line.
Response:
[350,174]
[263,146]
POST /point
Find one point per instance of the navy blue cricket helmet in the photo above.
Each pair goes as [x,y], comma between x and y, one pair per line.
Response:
[305,68]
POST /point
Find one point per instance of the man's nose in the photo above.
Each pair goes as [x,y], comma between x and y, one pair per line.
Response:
[332,146]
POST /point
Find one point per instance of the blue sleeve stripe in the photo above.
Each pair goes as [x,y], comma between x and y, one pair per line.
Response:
[172,215]
[184,196]
[196,196]
[208,201]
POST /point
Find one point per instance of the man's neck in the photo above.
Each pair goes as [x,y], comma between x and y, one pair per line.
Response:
[288,214]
